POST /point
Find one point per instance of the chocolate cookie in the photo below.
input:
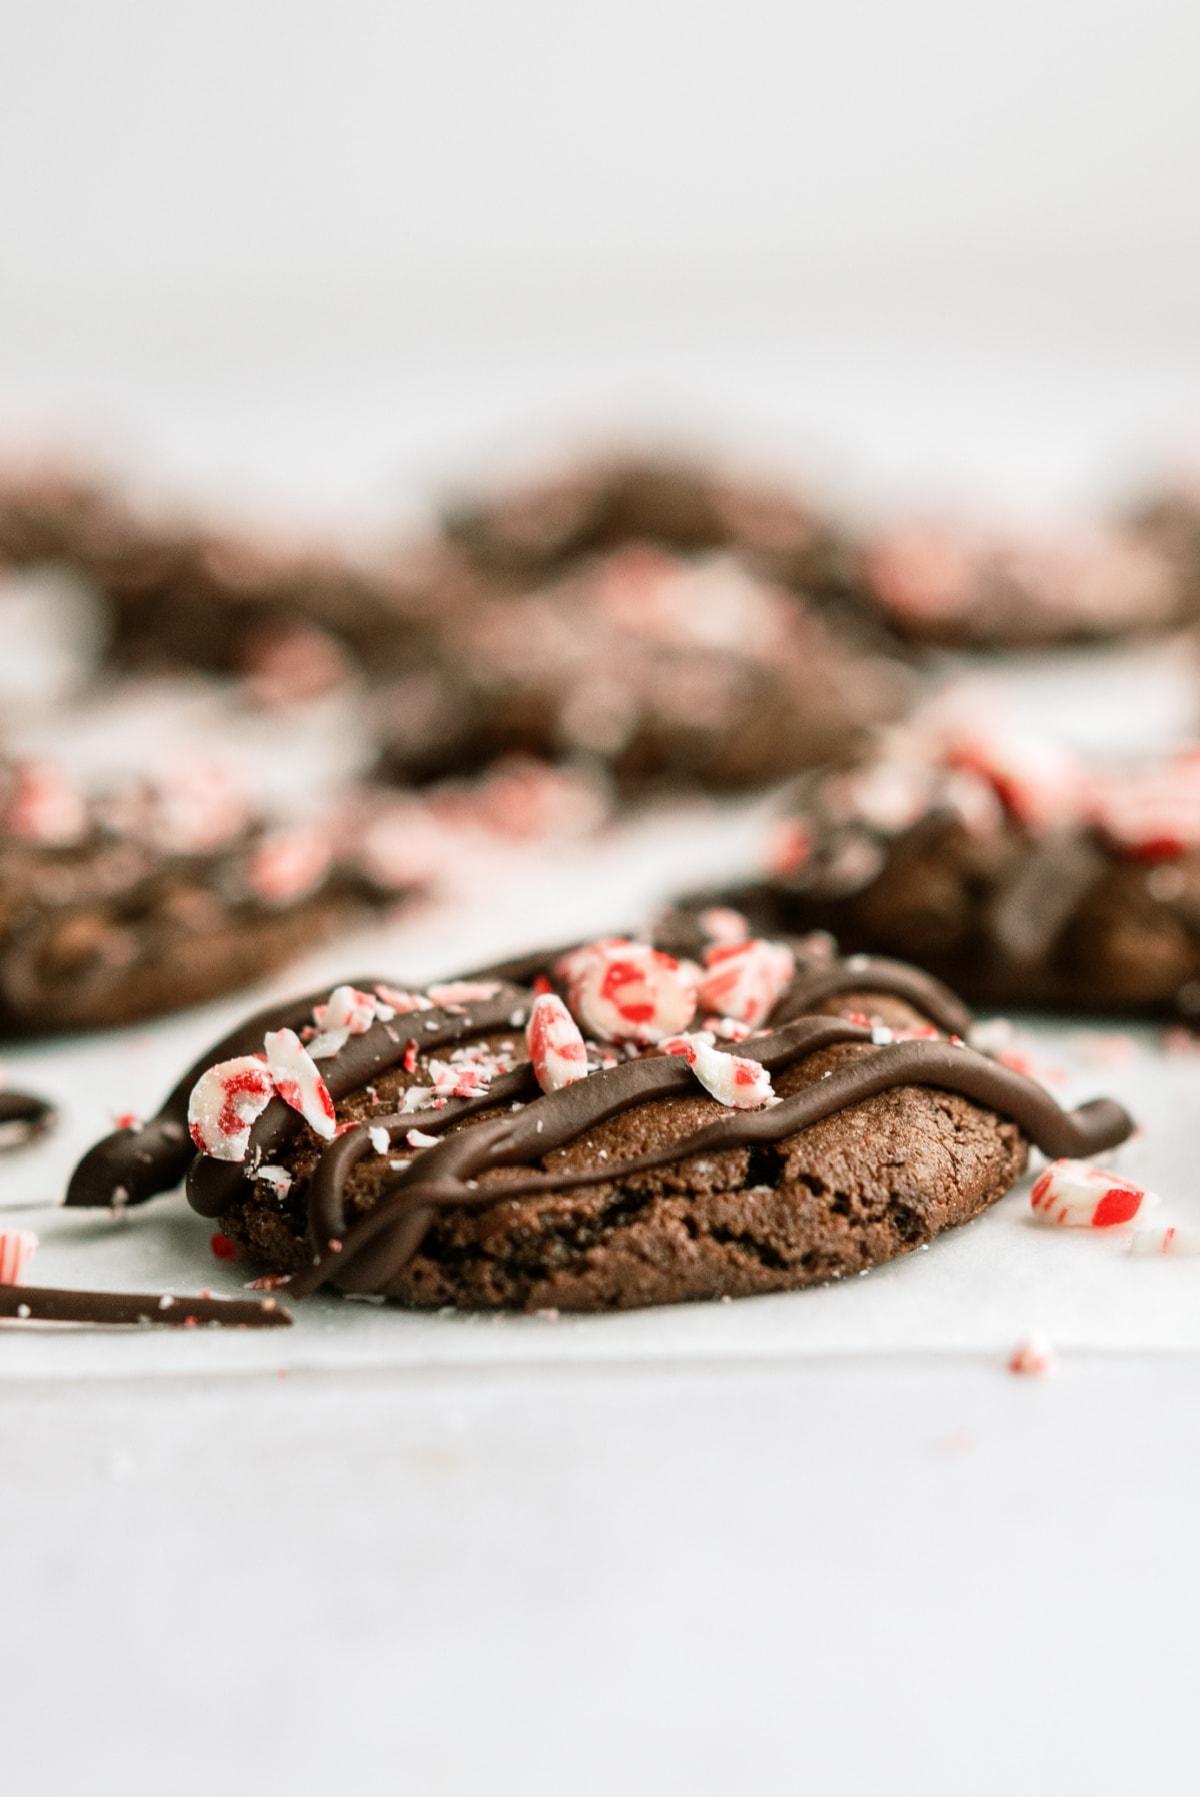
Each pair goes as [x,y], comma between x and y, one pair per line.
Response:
[973,588]
[1006,867]
[579,1143]
[533,532]
[290,618]
[655,668]
[144,899]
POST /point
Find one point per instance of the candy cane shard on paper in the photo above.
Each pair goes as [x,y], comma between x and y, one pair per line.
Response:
[17,1249]
[1082,1196]
[1171,1239]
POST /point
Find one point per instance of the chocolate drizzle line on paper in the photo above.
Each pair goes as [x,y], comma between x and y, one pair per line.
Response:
[46,1304]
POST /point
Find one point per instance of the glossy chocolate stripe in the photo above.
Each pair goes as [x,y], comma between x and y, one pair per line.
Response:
[138,1163]
[326,1192]
[213,1185]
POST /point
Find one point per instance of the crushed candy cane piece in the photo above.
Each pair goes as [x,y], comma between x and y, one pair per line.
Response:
[746,980]
[222,1247]
[298,1081]
[419,1138]
[226,1101]
[731,1079]
[381,1141]
[721,923]
[629,992]
[348,1009]
[1034,1356]
[1151,814]
[1082,1196]
[289,864]
[463,992]
[17,1249]
[327,1043]
[1038,782]
[789,849]
[556,1047]
[278,1178]
[402,1002]
[1173,1239]
[44,805]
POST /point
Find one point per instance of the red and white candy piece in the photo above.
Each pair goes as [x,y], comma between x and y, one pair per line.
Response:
[462,992]
[1033,1357]
[1083,1196]
[44,805]
[226,1101]
[1151,814]
[1170,1240]
[1038,782]
[629,992]
[289,864]
[298,1081]
[17,1249]
[556,1046]
[746,980]
[789,848]
[731,1079]
[721,923]
[351,1010]
[401,1003]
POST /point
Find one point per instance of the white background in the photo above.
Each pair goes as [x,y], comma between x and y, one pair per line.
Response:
[316,259]
[323,254]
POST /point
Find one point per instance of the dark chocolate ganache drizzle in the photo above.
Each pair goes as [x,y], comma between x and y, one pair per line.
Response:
[366,1254]
[23,1118]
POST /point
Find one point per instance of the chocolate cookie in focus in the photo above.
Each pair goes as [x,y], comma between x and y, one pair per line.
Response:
[597,1129]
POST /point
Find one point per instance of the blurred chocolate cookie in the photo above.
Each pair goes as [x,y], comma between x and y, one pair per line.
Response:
[1004,866]
[142,899]
[660,669]
[974,588]
[534,531]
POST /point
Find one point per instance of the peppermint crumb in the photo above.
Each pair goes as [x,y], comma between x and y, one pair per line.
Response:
[23,1310]
[166,1301]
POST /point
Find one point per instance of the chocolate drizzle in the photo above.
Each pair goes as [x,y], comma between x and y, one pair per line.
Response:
[131,1165]
[23,1118]
[368,1253]
[47,1304]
